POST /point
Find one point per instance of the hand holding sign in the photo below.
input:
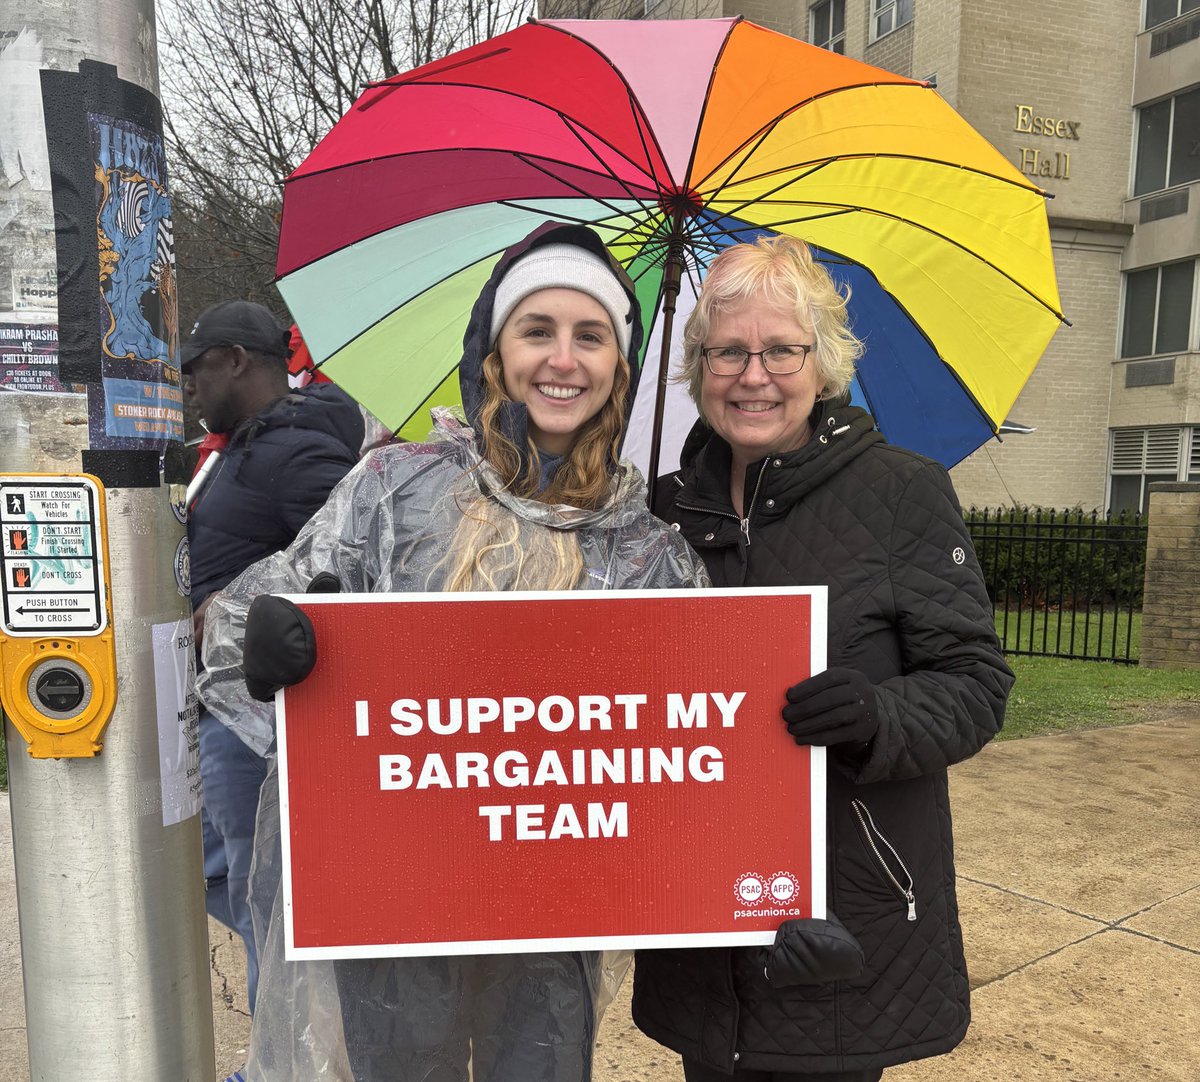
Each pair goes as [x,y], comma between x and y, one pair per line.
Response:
[813,951]
[280,647]
[834,709]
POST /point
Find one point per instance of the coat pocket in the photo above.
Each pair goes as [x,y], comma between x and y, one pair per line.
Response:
[886,857]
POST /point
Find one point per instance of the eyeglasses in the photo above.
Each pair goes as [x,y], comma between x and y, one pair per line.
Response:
[778,360]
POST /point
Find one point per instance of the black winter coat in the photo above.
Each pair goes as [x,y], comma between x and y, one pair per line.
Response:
[277,470]
[907,608]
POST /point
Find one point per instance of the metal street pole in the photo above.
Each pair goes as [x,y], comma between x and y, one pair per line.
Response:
[96,623]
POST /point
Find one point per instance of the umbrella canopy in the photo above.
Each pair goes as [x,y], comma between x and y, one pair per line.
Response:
[672,140]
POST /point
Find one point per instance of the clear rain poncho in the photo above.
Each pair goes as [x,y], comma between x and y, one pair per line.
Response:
[390,527]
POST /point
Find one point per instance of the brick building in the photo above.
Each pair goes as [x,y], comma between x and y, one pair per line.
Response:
[1099,100]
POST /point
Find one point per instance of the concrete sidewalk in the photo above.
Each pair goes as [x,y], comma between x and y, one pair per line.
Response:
[1079,884]
[1078,861]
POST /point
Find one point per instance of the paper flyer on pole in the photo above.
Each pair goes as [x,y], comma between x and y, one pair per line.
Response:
[178,711]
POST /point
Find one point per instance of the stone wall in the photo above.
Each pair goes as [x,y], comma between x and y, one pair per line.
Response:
[1171,608]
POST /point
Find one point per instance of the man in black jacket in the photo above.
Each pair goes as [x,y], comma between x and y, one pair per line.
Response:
[286,450]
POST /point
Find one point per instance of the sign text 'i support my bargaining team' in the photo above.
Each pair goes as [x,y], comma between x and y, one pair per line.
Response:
[514,772]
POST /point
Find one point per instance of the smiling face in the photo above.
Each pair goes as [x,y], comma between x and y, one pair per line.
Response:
[558,354]
[758,413]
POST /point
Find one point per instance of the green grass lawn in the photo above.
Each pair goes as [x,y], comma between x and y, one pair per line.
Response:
[1055,694]
[1095,634]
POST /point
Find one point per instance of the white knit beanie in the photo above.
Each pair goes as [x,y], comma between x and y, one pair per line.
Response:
[564,266]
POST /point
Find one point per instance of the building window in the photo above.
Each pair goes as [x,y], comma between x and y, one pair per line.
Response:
[1158,310]
[1142,455]
[889,15]
[1168,143]
[1163,11]
[827,25]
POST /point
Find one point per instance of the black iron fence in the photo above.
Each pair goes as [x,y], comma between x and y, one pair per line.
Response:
[1064,583]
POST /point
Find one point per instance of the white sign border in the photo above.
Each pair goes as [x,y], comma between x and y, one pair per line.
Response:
[817,662]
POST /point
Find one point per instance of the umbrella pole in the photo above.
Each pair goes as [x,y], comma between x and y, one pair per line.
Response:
[672,276]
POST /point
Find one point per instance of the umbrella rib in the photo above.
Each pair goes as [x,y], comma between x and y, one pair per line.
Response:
[933,349]
[733,212]
[417,408]
[580,191]
[451,150]
[638,116]
[650,174]
[438,150]
[774,225]
[836,211]
[765,131]
[847,261]
[712,78]
[558,215]
[638,233]
[620,75]
[821,163]
[653,264]
[695,239]
[409,300]
[574,129]
[695,282]
[932,232]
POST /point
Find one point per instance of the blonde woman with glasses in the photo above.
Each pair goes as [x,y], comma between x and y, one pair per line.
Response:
[783,483]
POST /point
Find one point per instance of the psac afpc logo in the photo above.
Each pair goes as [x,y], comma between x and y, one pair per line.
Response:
[752,889]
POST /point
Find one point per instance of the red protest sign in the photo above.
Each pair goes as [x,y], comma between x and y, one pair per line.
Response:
[476,773]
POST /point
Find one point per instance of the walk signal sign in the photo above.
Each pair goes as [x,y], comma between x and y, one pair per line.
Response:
[57,655]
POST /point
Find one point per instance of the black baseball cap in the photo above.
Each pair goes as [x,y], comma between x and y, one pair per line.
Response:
[236,323]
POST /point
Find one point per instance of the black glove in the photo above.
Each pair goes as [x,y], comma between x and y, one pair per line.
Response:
[813,951]
[280,648]
[833,709]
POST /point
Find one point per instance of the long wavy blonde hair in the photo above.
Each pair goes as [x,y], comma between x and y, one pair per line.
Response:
[490,550]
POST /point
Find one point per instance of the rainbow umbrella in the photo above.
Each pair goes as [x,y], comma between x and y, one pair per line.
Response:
[672,140]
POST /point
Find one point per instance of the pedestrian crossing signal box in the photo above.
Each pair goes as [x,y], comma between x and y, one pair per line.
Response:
[58,664]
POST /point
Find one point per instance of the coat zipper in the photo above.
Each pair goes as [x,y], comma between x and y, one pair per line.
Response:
[871,831]
[753,500]
[743,523]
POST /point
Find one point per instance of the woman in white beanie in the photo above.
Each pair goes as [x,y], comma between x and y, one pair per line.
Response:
[528,494]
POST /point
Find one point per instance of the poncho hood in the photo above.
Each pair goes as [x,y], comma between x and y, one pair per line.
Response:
[514,418]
